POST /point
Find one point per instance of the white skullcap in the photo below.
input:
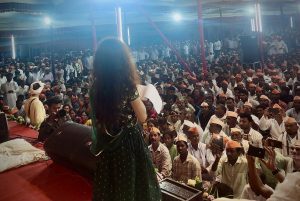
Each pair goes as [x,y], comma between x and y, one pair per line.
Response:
[217,121]
[248,104]
[264,97]
[181,137]
[204,104]
[37,91]
[232,114]
[233,130]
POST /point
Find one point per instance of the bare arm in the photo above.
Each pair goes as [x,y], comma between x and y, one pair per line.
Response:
[270,164]
[139,110]
[255,182]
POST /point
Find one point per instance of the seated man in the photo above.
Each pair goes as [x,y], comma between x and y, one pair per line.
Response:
[281,163]
[232,168]
[168,139]
[185,166]
[287,190]
[34,108]
[53,121]
[197,148]
[160,154]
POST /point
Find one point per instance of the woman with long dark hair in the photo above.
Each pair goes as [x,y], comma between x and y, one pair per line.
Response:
[124,169]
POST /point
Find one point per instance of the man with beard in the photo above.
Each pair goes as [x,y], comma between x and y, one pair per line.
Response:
[205,114]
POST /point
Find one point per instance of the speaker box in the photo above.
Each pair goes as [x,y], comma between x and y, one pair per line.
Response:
[250,48]
[70,146]
[4,133]
[175,191]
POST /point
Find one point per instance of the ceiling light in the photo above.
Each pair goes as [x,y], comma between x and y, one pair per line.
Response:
[177,17]
[47,20]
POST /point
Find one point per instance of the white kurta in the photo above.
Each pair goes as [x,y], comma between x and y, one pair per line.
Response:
[275,129]
[23,90]
[287,142]
[9,90]
[254,138]
[35,111]
[199,154]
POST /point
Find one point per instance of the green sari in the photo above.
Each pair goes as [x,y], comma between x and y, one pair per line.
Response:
[124,169]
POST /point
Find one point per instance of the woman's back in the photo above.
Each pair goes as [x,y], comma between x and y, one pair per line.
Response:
[124,169]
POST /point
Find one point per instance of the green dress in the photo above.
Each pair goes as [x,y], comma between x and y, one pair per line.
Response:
[124,169]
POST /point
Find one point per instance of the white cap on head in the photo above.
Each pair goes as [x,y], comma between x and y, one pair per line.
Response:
[38,90]
[217,121]
[233,130]
[264,97]
[204,104]
[248,104]
[181,137]
[232,114]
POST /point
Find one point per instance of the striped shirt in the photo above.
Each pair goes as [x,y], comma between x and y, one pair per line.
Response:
[189,169]
[161,159]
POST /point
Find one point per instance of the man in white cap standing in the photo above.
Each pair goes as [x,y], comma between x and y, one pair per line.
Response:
[34,108]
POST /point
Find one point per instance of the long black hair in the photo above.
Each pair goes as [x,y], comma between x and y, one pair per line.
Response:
[114,76]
